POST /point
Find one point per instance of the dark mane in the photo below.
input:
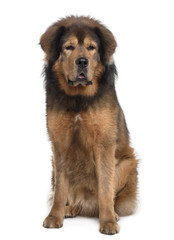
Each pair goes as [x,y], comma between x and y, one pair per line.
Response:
[55,96]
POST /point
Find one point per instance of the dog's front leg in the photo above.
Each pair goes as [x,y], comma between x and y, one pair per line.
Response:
[105,172]
[57,213]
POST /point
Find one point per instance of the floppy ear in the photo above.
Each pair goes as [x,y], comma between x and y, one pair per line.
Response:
[107,44]
[51,42]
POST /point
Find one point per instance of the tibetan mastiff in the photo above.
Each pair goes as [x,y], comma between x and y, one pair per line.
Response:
[94,167]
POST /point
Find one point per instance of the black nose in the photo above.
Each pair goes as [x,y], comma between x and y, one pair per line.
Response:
[82,62]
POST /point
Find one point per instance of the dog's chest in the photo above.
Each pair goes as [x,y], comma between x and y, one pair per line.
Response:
[77,118]
[81,130]
[70,128]
[76,136]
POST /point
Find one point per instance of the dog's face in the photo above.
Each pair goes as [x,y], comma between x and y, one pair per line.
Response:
[78,52]
[80,60]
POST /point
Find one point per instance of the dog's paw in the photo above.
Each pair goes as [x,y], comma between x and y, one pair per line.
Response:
[116,217]
[109,228]
[52,222]
[70,212]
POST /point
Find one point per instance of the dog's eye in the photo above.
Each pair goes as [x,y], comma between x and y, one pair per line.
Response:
[70,47]
[90,48]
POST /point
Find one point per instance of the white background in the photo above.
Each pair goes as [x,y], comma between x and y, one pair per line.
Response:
[144,31]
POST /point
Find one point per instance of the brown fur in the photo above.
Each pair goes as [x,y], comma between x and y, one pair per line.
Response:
[94,167]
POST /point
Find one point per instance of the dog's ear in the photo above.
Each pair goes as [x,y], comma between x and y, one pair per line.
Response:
[107,44]
[51,42]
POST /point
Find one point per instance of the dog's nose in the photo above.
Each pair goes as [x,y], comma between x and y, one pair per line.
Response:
[82,62]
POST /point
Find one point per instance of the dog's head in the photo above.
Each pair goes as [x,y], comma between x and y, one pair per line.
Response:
[78,49]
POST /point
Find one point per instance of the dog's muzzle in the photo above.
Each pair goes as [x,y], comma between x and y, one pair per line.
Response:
[81,79]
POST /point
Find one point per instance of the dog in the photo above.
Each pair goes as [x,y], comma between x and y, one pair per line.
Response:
[94,166]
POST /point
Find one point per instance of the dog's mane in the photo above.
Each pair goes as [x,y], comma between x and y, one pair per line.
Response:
[79,102]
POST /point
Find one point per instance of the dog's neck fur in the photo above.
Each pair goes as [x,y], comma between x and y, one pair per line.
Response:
[58,100]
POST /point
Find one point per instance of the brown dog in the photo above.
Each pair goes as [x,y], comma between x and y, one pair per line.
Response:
[94,167]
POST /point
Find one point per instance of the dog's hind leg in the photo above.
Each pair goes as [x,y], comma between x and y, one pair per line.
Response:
[126,200]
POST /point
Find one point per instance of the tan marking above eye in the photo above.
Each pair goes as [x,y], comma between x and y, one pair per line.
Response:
[70,44]
[90,44]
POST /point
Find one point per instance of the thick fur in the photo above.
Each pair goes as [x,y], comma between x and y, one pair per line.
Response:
[94,167]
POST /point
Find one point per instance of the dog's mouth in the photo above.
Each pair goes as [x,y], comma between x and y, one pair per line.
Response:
[81,79]
[81,76]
